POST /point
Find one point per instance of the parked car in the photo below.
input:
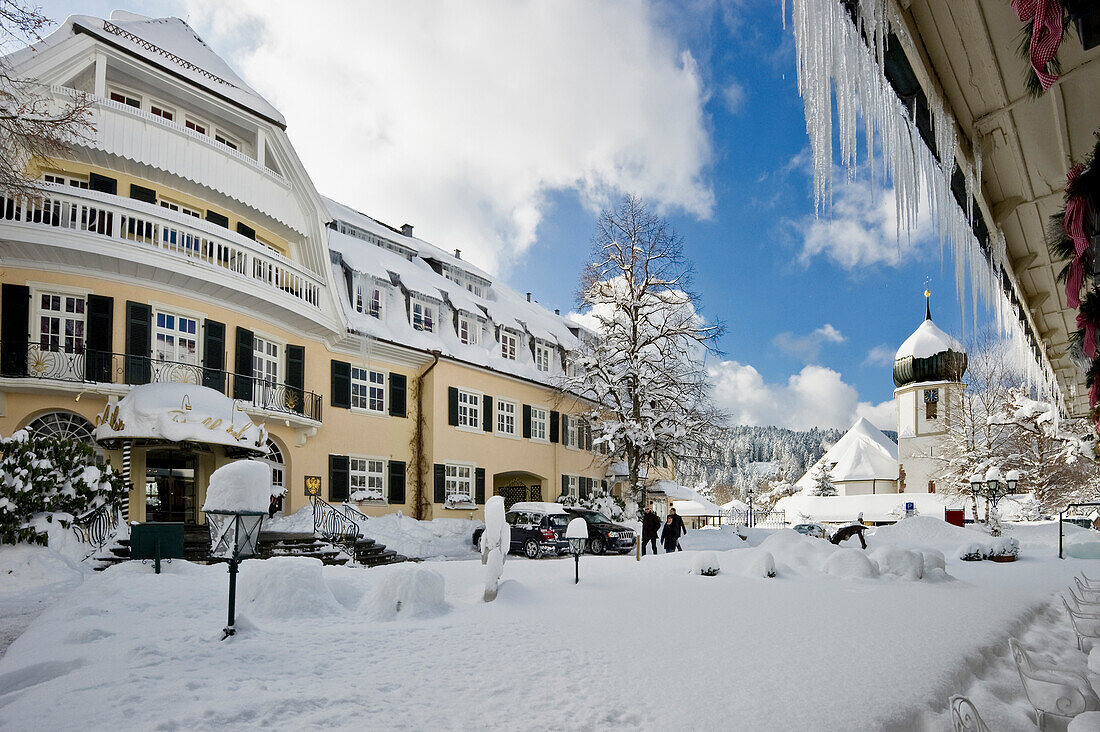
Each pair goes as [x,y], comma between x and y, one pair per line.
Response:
[812,529]
[538,528]
[603,535]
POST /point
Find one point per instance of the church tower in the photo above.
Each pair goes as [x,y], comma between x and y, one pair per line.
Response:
[928,371]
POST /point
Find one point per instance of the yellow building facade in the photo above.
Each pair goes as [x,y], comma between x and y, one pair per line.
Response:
[181,241]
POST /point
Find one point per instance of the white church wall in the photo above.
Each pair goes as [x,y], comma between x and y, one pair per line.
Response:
[866,487]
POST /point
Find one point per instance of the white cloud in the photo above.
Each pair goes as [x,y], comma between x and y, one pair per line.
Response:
[734,97]
[881,355]
[814,397]
[460,118]
[860,229]
[807,347]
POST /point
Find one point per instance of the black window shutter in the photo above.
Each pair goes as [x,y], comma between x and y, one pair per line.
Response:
[487,413]
[295,377]
[246,230]
[440,473]
[564,484]
[338,479]
[138,342]
[479,485]
[587,426]
[585,486]
[97,346]
[216,218]
[141,193]
[397,482]
[564,428]
[103,184]
[397,395]
[15,320]
[452,406]
[341,384]
[242,382]
[213,355]
[554,418]
[527,421]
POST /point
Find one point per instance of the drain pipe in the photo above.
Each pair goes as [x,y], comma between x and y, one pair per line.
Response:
[419,501]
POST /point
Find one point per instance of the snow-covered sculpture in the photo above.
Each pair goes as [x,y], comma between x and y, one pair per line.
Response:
[495,542]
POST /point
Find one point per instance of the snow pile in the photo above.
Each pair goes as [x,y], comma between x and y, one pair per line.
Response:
[705,564]
[240,486]
[180,412]
[407,591]
[850,564]
[1001,546]
[1080,543]
[441,538]
[926,531]
[28,566]
[285,588]
[908,565]
[299,522]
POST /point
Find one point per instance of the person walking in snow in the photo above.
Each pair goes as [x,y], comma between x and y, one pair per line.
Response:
[651,524]
[672,531]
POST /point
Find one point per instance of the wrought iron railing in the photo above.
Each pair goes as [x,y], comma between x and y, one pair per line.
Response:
[353,513]
[333,525]
[37,360]
[755,517]
[98,526]
[113,217]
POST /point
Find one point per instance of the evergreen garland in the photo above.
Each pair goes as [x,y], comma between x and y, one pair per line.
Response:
[1023,50]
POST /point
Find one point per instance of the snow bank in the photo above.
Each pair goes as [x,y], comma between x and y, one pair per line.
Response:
[705,564]
[243,485]
[26,566]
[850,564]
[284,588]
[441,538]
[904,563]
[1080,543]
[299,522]
[409,592]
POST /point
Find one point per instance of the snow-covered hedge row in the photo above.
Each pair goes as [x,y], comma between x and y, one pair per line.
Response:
[48,475]
[1003,546]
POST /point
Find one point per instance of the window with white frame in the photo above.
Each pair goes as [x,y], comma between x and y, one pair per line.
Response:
[60,322]
[175,339]
[469,409]
[542,357]
[65,180]
[196,125]
[265,361]
[540,418]
[508,343]
[571,486]
[162,111]
[366,479]
[226,140]
[124,97]
[423,316]
[180,208]
[469,330]
[368,299]
[506,417]
[368,389]
[459,483]
[475,288]
[572,431]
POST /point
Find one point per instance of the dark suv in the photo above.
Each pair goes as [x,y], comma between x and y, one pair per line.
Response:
[604,536]
[537,529]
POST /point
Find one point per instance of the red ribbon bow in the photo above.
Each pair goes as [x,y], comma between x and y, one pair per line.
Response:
[1046,34]
[1089,346]
[1074,223]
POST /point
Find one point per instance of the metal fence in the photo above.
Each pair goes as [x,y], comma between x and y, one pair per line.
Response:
[756,518]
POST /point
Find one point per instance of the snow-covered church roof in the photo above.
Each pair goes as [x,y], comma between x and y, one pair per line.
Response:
[863,453]
[929,354]
[168,43]
[926,341]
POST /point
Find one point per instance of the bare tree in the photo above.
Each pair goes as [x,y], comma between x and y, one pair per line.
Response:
[645,368]
[33,125]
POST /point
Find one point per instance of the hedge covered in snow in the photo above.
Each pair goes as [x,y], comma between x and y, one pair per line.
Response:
[50,475]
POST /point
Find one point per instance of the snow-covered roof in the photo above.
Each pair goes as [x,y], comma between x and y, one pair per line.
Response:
[928,340]
[168,43]
[681,494]
[538,507]
[874,507]
[696,508]
[180,413]
[739,505]
[863,453]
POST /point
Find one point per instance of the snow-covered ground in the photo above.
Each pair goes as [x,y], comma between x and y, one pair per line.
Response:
[834,641]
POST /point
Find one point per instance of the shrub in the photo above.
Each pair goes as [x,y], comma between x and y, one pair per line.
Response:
[50,475]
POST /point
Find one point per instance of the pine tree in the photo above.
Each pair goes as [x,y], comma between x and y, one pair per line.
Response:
[823,481]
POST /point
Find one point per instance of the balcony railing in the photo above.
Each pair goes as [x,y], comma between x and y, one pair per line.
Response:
[32,361]
[112,217]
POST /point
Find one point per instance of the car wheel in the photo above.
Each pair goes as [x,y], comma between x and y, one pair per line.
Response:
[531,549]
[596,546]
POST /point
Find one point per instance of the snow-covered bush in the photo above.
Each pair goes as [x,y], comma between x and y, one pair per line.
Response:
[611,506]
[50,475]
[1031,509]
[705,564]
[1003,546]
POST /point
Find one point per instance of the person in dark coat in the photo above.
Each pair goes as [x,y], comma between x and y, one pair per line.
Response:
[651,524]
[672,531]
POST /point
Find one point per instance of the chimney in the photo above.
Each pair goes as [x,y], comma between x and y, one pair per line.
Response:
[557,312]
[528,297]
[458,254]
[407,229]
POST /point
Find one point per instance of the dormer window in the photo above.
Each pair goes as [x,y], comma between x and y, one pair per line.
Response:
[542,357]
[469,330]
[423,316]
[475,289]
[368,299]
[508,345]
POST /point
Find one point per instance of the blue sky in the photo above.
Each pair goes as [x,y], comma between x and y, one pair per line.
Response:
[501,132]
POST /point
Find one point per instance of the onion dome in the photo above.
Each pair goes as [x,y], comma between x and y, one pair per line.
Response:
[929,355]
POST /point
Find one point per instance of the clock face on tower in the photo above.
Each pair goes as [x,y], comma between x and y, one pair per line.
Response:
[931,396]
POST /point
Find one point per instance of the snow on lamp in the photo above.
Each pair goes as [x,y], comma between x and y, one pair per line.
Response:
[237,500]
[1012,477]
[577,534]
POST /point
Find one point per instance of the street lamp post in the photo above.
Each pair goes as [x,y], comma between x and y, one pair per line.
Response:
[577,534]
[748,494]
[233,536]
[993,486]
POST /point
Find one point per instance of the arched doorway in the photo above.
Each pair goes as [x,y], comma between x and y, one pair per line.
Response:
[171,492]
[516,486]
[277,461]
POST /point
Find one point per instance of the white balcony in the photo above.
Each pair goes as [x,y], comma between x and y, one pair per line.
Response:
[145,231]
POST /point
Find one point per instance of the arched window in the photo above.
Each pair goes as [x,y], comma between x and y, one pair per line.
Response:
[278,464]
[62,424]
